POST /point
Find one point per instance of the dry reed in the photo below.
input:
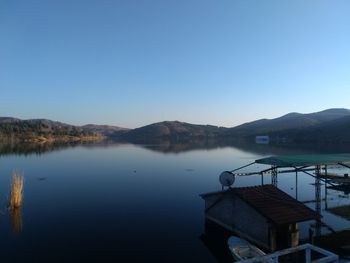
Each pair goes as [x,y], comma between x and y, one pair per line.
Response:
[16,194]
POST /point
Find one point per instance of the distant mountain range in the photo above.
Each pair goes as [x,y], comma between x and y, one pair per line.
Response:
[289,121]
[332,125]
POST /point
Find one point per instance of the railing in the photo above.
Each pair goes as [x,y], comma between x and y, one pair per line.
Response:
[274,257]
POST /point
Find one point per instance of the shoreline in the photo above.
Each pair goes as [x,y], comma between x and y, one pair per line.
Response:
[51,139]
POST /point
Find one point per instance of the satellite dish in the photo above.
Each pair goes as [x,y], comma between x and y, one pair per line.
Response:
[227,178]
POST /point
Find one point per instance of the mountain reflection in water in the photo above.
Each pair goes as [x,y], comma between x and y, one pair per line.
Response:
[165,146]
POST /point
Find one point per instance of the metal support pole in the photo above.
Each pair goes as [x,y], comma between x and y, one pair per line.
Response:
[318,197]
[244,166]
[308,255]
[296,185]
[325,187]
[274,175]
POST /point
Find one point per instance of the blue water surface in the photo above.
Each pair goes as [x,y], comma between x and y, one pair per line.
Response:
[126,203]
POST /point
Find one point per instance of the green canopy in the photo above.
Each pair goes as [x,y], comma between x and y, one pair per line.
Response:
[305,160]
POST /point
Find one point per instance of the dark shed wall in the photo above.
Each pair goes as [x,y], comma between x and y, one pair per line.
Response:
[233,211]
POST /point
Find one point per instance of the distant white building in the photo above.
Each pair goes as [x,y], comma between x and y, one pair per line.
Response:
[262,139]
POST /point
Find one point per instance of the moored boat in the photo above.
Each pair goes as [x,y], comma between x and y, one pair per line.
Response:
[242,249]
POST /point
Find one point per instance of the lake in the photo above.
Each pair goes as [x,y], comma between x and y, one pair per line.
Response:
[130,203]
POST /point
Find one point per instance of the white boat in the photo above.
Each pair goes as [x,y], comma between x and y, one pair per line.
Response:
[242,249]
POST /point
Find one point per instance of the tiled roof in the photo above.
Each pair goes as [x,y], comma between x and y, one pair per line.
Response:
[275,204]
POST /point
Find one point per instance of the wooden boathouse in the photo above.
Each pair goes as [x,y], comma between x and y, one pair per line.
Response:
[263,214]
[269,217]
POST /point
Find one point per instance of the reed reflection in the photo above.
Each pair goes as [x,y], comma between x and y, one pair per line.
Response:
[16,220]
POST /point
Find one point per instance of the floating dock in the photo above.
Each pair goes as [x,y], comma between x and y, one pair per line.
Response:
[336,178]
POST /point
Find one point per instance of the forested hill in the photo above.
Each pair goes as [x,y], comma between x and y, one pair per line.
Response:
[173,130]
[41,130]
[332,125]
[288,122]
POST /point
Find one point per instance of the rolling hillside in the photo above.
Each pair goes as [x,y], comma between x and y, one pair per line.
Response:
[289,122]
[42,130]
[105,130]
[173,130]
[334,131]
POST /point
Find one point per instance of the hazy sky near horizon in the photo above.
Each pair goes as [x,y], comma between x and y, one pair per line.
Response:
[131,63]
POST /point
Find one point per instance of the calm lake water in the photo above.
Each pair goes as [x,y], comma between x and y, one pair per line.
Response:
[128,203]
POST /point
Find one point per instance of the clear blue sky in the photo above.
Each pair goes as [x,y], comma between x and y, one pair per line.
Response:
[131,63]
